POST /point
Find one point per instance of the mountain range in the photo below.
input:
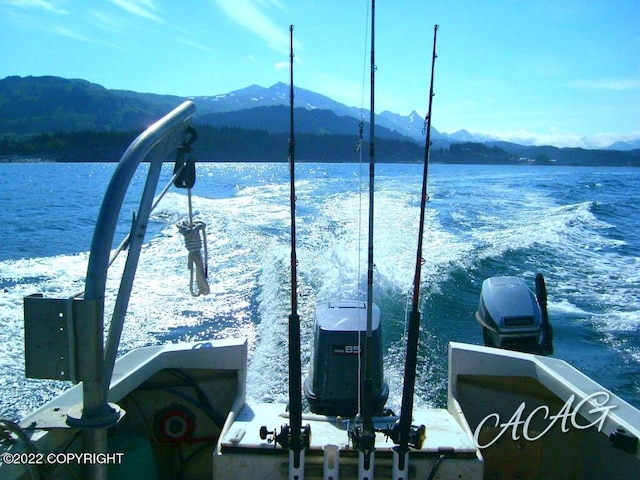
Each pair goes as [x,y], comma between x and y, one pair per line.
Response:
[30,105]
[47,104]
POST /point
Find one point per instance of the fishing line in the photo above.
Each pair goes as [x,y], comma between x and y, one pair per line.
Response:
[408,390]
[360,192]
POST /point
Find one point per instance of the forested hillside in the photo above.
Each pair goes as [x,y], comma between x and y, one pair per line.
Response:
[57,119]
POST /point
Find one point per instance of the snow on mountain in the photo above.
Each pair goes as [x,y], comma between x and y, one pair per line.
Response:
[462,136]
[278,94]
[625,146]
[411,125]
[256,96]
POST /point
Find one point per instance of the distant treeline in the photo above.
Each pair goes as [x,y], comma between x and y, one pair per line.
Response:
[84,146]
[480,153]
[213,144]
[237,144]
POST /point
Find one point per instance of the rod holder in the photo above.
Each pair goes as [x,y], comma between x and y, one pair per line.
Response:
[296,472]
[331,466]
[366,461]
[400,464]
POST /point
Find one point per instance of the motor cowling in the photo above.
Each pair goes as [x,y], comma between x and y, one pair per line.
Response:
[512,317]
[338,360]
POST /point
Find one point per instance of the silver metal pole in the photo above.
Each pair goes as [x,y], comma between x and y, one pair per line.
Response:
[94,370]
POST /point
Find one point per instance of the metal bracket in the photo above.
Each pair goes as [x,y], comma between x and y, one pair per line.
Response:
[49,345]
[55,341]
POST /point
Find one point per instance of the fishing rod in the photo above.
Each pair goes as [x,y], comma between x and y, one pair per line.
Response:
[364,439]
[297,441]
[407,434]
[293,437]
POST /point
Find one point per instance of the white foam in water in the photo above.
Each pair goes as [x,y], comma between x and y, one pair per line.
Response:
[330,267]
[246,209]
[54,276]
[588,281]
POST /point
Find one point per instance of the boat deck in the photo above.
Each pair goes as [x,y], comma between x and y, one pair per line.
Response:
[243,452]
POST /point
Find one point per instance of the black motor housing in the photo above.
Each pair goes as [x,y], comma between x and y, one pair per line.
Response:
[338,358]
[512,317]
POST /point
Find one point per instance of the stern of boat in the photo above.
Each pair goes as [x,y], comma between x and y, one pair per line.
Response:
[177,400]
[538,417]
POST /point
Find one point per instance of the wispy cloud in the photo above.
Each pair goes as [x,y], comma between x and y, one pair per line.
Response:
[616,84]
[252,17]
[561,138]
[67,32]
[41,4]
[142,8]
[193,44]
[108,22]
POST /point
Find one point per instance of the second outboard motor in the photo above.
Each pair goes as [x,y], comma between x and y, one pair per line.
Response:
[513,318]
[338,359]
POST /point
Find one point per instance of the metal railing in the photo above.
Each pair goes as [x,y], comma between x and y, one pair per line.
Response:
[88,358]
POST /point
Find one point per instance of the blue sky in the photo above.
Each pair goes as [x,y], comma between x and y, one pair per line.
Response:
[560,72]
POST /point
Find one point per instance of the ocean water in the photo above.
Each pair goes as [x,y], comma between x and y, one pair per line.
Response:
[577,226]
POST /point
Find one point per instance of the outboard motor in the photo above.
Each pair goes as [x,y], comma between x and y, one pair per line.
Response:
[338,358]
[513,318]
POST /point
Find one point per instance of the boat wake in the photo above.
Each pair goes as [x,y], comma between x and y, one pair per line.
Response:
[591,272]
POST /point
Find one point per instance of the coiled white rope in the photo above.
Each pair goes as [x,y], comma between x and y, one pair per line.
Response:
[195,238]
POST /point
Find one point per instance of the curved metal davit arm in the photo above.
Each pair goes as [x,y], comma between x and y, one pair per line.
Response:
[95,361]
[170,125]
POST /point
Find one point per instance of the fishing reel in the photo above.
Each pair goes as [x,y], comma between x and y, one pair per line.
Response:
[284,437]
[417,434]
[360,439]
